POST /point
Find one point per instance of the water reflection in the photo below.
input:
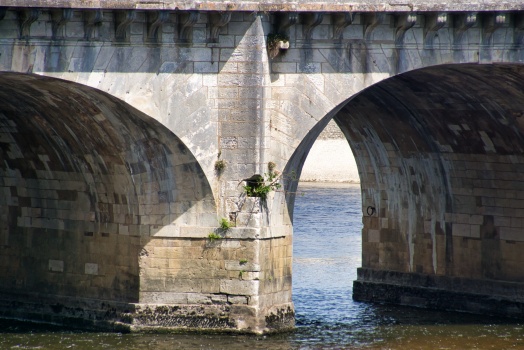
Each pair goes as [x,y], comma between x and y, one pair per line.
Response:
[327,251]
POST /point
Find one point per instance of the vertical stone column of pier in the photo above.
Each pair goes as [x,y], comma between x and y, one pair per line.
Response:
[244,102]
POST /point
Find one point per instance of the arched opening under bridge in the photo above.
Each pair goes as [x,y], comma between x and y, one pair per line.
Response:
[440,156]
[90,187]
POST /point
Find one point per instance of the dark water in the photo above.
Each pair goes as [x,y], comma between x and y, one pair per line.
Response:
[327,244]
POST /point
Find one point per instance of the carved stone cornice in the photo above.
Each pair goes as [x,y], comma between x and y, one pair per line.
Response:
[285,20]
[434,22]
[123,20]
[370,22]
[403,22]
[154,21]
[27,17]
[60,18]
[310,21]
[340,22]
[218,21]
[93,19]
[463,22]
[490,23]
[185,26]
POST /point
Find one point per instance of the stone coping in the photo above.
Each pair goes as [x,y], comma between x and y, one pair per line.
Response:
[434,298]
[281,5]
[506,289]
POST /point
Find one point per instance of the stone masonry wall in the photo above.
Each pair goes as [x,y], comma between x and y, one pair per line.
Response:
[212,93]
[88,183]
[454,209]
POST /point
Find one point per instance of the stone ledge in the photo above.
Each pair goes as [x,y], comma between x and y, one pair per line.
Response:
[233,233]
[102,315]
[423,291]
[506,289]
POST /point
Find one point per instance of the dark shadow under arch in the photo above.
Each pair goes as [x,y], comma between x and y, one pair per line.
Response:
[87,181]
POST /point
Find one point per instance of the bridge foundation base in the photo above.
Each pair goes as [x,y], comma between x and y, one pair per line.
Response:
[480,296]
[111,316]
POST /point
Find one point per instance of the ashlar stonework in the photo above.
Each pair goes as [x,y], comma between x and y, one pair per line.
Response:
[113,117]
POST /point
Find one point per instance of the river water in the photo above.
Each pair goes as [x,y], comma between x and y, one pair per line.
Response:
[327,251]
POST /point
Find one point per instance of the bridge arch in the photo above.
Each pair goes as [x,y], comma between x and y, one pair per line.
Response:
[439,152]
[90,185]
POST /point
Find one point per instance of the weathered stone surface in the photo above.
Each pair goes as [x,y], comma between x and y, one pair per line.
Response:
[109,146]
[440,292]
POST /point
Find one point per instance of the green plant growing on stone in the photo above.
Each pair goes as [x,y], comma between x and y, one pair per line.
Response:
[243,261]
[241,273]
[271,166]
[225,224]
[213,236]
[274,43]
[220,165]
[259,186]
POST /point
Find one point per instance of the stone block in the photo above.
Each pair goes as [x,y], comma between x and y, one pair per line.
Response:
[476,219]
[244,233]
[206,67]
[235,265]
[253,80]
[237,299]
[210,80]
[166,231]
[223,243]
[74,29]
[91,269]
[239,287]
[218,298]
[511,234]
[249,219]
[198,298]
[373,235]
[167,252]
[253,142]
[163,298]
[475,231]
[196,54]
[247,276]
[462,230]
[502,221]
[56,265]
[137,28]
[183,285]
[211,286]
[194,232]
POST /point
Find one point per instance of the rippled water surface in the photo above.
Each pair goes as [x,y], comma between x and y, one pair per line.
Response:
[327,250]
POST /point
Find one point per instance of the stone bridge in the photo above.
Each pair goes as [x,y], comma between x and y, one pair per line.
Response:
[114,115]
